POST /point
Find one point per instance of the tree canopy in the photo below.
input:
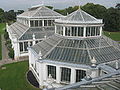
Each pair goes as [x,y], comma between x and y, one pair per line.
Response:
[110,16]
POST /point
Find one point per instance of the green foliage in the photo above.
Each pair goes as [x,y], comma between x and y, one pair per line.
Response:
[112,20]
[95,10]
[1,15]
[50,7]
[14,77]
[19,12]
[118,6]
[11,53]
[2,28]
[0,48]
[6,36]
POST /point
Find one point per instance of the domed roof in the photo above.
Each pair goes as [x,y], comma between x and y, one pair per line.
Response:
[79,16]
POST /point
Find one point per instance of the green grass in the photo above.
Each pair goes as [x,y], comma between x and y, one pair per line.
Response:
[14,77]
[2,28]
[113,35]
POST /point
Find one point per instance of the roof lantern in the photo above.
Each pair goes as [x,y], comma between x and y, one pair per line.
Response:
[79,24]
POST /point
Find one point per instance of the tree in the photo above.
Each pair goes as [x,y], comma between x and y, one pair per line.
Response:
[95,10]
[118,6]
[10,15]
[112,20]
[50,7]
[1,15]
[19,12]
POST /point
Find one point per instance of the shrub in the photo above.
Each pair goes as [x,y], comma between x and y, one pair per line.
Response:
[6,36]
[11,53]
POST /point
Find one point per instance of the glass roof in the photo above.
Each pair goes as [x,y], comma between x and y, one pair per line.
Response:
[79,16]
[77,51]
[17,29]
[39,33]
[23,32]
[40,12]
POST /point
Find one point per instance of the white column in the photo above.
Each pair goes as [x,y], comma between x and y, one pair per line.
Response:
[101,31]
[45,72]
[84,33]
[30,58]
[16,49]
[29,23]
[58,74]
[55,29]
[40,74]
[43,23]
[117,65]
[28,43]
[63,30]
[34,39]
[73,75]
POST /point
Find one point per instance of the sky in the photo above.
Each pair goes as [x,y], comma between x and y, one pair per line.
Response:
[57,4]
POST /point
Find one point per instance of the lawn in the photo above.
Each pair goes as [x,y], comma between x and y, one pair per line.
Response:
[14,77]
[2,28]
[113,35]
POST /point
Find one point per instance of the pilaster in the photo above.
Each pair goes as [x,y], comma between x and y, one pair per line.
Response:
[73,75]
[58,74]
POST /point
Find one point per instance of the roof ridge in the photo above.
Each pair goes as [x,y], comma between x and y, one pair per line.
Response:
[24,32]
[89,15]
[37,10]
[81,15]
[52,48]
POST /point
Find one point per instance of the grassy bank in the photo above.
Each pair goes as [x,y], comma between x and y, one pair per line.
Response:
[14,77]
[113,35]
[2,28]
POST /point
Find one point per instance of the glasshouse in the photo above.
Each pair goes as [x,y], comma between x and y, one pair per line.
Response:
[31,27]
[77,54]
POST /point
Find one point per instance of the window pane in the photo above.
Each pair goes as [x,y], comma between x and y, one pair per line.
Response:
[36,42]
[36,23]
[45,22]
[31,23]
[65,74]
[25,46]
[21,46]
[80,74]
[52,71]
[87,31]
[53,22]
[49,23]
[31,43]
[97,30]
[80,31]
[40,23]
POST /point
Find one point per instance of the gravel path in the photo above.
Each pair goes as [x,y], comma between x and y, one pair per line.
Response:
[4,49]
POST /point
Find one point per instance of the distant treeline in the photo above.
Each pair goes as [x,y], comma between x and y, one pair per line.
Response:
[110,16]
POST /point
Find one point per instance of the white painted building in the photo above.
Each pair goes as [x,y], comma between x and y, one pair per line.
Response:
[76,52]
[31,27]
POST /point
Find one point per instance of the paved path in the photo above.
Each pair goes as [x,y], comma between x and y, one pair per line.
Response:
[8,61]
[4,49]
[5,57]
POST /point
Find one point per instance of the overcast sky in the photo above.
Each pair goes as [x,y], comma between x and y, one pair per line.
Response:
[24,4]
